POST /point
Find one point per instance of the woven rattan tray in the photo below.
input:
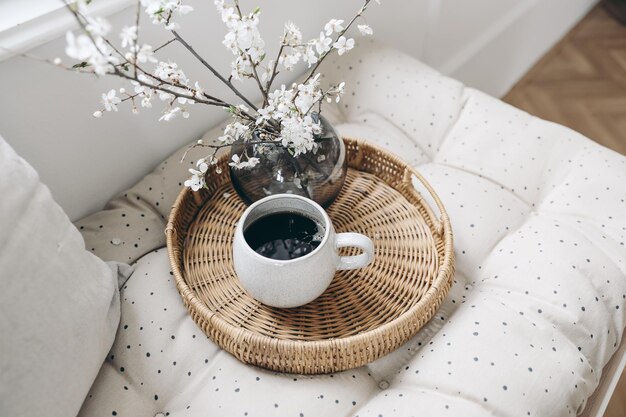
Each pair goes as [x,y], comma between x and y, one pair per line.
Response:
[363,315]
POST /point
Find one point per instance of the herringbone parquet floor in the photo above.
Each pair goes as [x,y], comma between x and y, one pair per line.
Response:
[581,83]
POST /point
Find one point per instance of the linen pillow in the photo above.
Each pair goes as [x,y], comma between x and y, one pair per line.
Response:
[59,304]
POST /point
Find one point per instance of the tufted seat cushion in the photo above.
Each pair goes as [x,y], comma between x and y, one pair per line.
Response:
[535,312]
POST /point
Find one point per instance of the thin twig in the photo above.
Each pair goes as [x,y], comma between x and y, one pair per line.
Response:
[120,74]
[274,72]
[165,44]
[224,145]
[136,46]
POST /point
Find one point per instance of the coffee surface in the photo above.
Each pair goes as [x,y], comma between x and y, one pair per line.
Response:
[284,236]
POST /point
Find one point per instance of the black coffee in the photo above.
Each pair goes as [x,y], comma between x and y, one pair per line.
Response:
[284,236]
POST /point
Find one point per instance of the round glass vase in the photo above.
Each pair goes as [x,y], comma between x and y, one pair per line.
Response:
[318,174]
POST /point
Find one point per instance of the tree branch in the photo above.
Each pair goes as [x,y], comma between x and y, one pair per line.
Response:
[359,13]
[217,74]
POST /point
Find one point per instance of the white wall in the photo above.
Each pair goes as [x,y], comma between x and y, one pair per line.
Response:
[491,44]
[45,113]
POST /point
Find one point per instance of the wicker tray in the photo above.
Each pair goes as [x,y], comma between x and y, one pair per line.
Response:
[363,315]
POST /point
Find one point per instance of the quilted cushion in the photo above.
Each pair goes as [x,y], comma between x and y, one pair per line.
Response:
[535,312]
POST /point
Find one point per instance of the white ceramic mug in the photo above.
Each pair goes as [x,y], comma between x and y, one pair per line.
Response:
[298,281]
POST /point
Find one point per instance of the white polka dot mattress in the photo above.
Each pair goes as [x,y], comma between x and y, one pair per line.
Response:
[537,306]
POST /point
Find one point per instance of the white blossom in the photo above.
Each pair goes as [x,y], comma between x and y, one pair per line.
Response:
[281,100]
[144,54]
[267,72]
[289,59]
[97,26]
[343,45]
[323,43]
[103,59]
[165,96]
[197,175]
[265,113]
[195,182]
[169,71]
[297,133]
[292,35]
[110,100]
[172,26]
[308,94]
[230,17]
[80,48]
[99,56]
[184,9]
[97,114]
[241,68]
[202,165]
[365,30]
[333,25]
[145,92]
[337,92]
[248,35]
[171,113]
[238,163]
[198,91]
[253,161]
[219,4]
[242,108]
[234,131]
[161,10]
[146,102]
[243,39]
[237,130]
[185,100]
[128,36]
[309,56]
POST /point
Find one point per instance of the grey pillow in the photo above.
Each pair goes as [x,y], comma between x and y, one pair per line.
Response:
[59,304]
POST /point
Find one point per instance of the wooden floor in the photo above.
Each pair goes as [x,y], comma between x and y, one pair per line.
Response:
[581,83]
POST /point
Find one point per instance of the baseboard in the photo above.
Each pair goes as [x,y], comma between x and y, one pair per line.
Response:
[507,48]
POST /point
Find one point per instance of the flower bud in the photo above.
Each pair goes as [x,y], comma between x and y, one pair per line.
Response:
[97,114]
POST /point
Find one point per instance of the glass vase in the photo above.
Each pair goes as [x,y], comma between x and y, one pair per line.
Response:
[318,174]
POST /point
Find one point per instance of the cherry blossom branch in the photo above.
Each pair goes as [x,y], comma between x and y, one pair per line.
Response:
[337,89]
[201,144]
[255,73]
[193,98]
[274,71]
[136,49]
[217,74]
[322,57]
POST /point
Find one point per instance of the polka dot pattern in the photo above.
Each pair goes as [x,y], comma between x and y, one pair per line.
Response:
[535,312]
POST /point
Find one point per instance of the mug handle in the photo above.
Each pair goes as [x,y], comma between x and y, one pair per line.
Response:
[359,241]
